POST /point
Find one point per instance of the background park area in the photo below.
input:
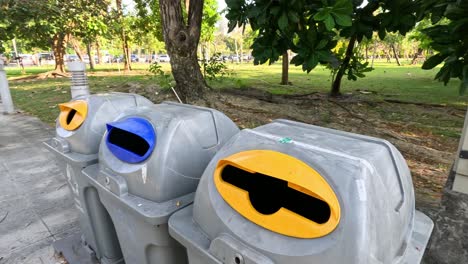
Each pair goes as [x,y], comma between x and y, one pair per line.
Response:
[402,104]
[396,70]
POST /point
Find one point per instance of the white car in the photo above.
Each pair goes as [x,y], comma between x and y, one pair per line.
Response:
[107,58]
[164,58]
[28,59]
[71,57]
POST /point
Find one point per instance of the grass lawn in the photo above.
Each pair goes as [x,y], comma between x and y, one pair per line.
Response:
[405,83]
[387,81]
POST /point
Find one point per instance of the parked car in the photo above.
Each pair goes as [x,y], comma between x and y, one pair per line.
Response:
[107,58]
[86,59]
[45,58]
[28,59]
[234,58]
[151,58]
[134,58]
[225,58]
[71,57]
[163,58]
[118,58]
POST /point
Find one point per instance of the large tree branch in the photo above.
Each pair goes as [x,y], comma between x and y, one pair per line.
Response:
[172,19]
[195,14]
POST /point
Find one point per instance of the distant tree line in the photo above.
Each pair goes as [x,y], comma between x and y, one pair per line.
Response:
[343,35]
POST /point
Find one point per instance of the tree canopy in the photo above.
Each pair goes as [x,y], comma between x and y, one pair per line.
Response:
[48,24]
[450,40]
[311,29]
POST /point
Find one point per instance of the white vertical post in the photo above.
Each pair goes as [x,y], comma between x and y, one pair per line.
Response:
[16,51]
[79,82]
[5,91]
[460,167]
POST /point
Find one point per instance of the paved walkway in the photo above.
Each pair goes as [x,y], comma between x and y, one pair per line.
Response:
[35,205]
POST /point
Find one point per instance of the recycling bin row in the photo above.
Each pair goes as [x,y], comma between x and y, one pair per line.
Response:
[173,183]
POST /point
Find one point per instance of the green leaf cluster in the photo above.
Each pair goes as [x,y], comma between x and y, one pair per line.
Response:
[308,28]
[40,21]
[449,40]
[311,28]
[337,14]
[214,68]
[162,78]
[148,18]
[210,18]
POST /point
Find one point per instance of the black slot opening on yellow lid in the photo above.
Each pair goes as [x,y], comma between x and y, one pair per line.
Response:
[268,195]
[70,116]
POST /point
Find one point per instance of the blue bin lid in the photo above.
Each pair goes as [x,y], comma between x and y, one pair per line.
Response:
[131,140]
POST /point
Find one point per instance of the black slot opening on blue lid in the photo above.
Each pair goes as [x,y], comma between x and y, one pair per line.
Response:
[131,140]
[128,141]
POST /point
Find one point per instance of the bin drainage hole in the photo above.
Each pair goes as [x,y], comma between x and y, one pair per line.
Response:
[70,116]
[238,259]
[268,194]
[128,141]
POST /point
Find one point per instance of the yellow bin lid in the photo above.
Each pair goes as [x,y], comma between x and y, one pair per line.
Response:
[278,192]
[73,114]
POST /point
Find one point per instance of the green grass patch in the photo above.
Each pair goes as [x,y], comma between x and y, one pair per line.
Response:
[40,97]
[387,81]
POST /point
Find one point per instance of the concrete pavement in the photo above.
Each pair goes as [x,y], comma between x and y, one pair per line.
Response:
[35,203]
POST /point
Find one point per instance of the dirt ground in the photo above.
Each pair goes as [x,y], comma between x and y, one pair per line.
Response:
[407,126]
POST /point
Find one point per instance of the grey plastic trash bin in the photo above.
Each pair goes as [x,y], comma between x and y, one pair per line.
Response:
[79,129]
[150,163]
[288,192]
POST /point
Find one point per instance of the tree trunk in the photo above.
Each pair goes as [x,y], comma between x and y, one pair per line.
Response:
[181,41]
[387,55]
[203,56]
[237,50]
[200,48]
[285,71]
[206,52]
[76,47]
[123,37]
[98,52]
[367,52]
[335,90]
[241,59]
[58,47]
[126,50]
[373,54]
[90,55]
[395,55]
[16,51]
[416,55]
